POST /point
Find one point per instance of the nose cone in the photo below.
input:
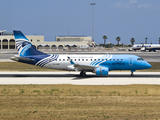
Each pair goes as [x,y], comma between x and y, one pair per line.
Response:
[148,65]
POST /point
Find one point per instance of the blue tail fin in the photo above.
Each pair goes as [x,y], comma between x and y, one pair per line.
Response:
[24,47]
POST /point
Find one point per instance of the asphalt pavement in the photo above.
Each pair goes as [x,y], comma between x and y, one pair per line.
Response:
[114,78]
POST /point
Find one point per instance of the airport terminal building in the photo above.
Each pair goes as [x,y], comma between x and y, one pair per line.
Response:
[7,41]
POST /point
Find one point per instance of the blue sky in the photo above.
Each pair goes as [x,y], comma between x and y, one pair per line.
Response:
[113,18]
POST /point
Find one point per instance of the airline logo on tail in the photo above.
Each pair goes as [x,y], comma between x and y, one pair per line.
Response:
[25,48]
[22,43]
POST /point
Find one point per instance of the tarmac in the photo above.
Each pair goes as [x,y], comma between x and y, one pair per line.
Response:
[114,78]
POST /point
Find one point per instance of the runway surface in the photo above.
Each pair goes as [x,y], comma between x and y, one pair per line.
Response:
[114,78]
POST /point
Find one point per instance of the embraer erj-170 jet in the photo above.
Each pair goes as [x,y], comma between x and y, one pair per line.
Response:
[98,64]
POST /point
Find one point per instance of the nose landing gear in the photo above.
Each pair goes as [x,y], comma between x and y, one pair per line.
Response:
[132,75]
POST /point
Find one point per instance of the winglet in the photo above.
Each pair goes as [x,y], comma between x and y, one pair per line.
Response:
[71,61]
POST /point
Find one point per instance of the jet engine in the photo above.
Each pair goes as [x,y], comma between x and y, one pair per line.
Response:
[71,68]
[101,71]
[143,49]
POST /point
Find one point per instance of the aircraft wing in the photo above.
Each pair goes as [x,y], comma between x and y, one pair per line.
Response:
[80,67]
[84,67]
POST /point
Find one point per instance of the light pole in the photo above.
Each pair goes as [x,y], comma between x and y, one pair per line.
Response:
[92,20]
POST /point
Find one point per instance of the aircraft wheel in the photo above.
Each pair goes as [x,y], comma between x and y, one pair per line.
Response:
[82,73]
[132,75]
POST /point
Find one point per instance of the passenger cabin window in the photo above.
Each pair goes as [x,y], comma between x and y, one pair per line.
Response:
[94,59]
[63,59]
[91,59]
[78,59]
[98,59]
[59,59]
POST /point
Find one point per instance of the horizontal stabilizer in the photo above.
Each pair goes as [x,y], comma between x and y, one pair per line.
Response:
[21,58]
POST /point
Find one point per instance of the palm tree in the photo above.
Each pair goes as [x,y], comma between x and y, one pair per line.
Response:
[146,40]
[132,41]
[118,39]
[105,37]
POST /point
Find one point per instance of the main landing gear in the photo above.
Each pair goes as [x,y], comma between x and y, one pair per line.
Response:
[83,73]
[132,75]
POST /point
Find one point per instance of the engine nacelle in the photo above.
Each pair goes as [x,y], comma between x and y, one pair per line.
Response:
[101,71]
[143,49]
[71,68]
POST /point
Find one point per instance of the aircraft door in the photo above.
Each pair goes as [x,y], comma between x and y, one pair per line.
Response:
[130,61]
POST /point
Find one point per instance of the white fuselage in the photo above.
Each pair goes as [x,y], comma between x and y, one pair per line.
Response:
[63,63]
[143,47]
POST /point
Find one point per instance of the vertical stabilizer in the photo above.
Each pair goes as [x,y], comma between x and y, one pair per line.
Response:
[24,47]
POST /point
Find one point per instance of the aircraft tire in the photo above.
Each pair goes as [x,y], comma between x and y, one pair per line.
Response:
[82,73]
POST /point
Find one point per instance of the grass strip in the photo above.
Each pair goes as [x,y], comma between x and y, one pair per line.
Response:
[79,102]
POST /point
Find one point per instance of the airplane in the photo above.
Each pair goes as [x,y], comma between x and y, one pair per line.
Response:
[98,64]
[83,46]
[2,31]
[144,47]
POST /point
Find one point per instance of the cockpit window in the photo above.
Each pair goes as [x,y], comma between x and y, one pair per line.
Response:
[139,59]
